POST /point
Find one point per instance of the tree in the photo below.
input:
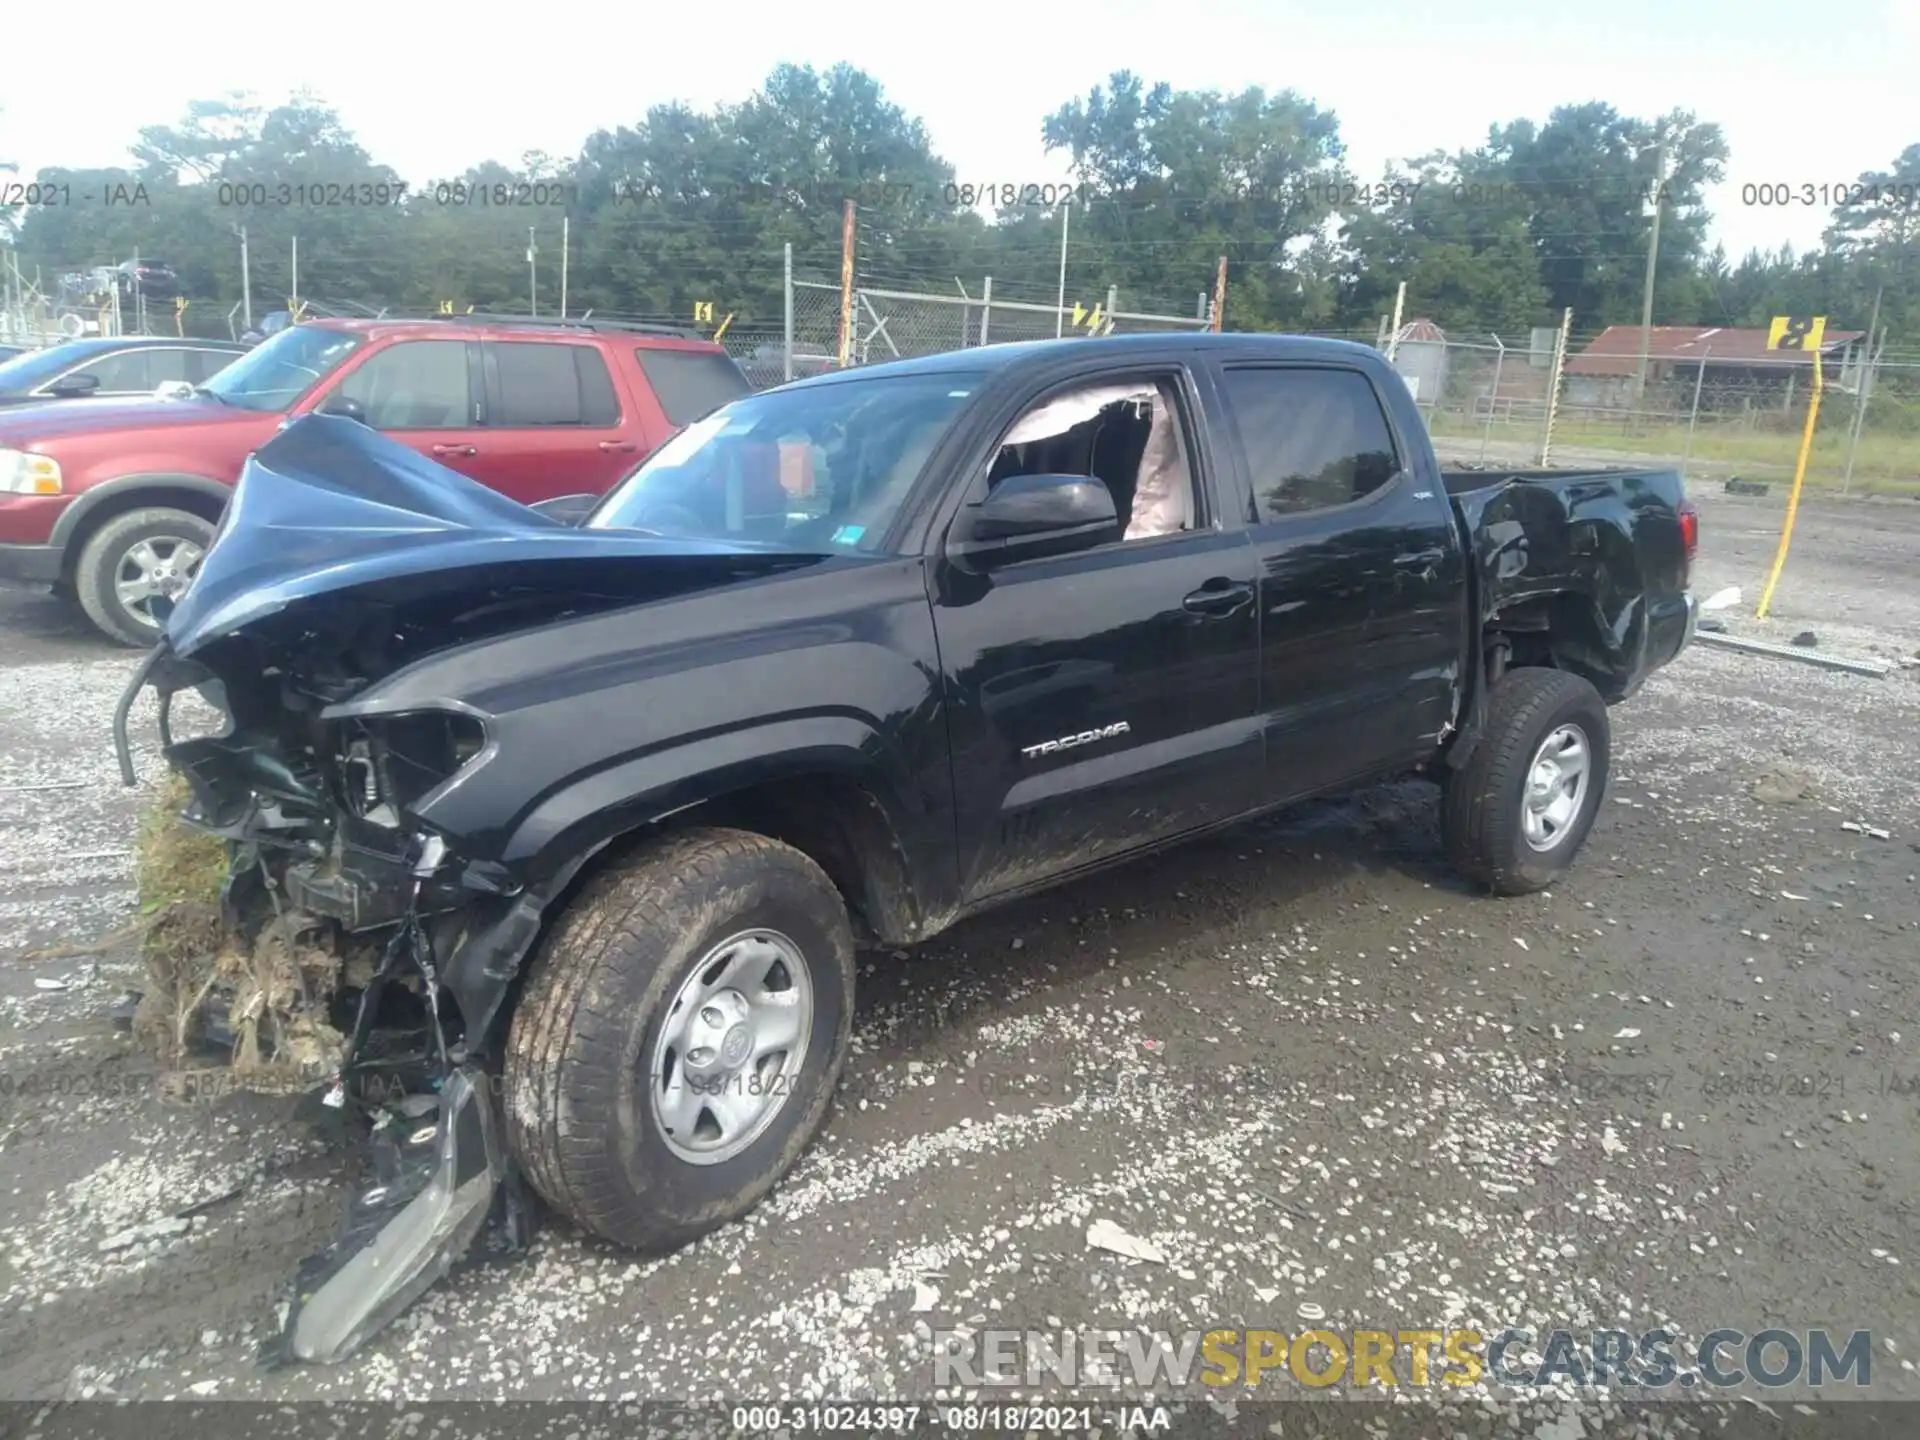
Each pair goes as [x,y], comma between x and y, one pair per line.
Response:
[1177,178]
[1875,237]
[688,206]
[1458,233]
[1587,178]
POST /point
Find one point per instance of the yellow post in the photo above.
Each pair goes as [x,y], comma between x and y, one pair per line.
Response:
[1788,333]
[723,326]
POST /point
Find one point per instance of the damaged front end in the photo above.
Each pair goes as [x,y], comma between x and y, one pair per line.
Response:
[313,802]
[345,563]
[363,628]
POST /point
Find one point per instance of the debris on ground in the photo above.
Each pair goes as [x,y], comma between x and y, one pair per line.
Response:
[165,1228]
[1806,640]
[1737,486]
[1724,599]
[1105,1235]
[1874,668]
[1778,785]
[265,998]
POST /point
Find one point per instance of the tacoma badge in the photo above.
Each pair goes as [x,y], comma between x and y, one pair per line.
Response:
[1067,742]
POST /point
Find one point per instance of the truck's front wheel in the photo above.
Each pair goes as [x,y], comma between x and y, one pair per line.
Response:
[1517,812]
[680,1036]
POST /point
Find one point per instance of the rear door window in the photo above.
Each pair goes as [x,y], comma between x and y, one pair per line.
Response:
[539,384]
[204,364]
[690,384]
[1313,439]
[165,365]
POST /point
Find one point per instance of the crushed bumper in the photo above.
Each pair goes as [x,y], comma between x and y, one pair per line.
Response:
[438,1167]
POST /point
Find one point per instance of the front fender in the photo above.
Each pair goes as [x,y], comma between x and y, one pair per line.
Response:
[652,787]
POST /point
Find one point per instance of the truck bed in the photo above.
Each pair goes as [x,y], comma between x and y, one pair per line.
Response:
[1597,557]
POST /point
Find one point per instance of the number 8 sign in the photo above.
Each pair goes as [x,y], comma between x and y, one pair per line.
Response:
[1796,332]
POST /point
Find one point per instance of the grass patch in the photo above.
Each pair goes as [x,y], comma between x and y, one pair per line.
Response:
[1883,464]
[270,990]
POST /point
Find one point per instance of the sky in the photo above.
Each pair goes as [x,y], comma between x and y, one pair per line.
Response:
[1805,95]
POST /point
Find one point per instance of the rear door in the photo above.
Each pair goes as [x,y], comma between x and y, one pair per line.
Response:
[423,393]
[1358,575]
[554,422]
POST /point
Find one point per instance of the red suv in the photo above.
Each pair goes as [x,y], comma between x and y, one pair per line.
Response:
[114,502]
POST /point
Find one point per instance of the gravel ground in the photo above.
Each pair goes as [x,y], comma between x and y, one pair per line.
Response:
[1302,1060]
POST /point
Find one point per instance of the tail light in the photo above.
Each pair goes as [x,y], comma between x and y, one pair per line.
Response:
[1689,531]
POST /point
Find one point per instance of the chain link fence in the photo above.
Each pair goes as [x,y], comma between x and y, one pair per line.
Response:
[893,324]
[1502,400]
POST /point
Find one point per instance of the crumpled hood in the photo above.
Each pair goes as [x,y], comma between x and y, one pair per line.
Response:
[329,505]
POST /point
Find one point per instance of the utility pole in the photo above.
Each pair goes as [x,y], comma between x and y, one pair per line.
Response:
[847,234]
[1865,388]
[566,244]
[1219,294]
[246,280]
[786,305]
[533,294]
[1060,300]
[293,300]
[1393,331]
[1653,252]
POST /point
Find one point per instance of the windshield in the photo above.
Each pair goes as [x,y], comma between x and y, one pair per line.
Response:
[277,372]
[816,470]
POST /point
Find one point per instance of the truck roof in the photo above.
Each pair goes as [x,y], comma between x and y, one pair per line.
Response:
[1013,356]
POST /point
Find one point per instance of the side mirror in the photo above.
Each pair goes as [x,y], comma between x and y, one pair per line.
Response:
[346,409]
[1028,515]
[567,509]
[69,385]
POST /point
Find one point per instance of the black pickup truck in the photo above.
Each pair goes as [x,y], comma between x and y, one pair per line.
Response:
[616,794]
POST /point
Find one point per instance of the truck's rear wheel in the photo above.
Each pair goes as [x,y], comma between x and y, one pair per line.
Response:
[1517,812]
[135,559]
[680,1036]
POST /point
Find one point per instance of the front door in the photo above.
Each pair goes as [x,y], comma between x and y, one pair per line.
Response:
[423,394]
[1106,699]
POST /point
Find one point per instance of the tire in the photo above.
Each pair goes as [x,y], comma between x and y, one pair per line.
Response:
[115,546]
[1484,814]
[605,995]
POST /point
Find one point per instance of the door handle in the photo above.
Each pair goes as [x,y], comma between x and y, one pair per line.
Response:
[1218,597]
[454,450]
[618,447]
